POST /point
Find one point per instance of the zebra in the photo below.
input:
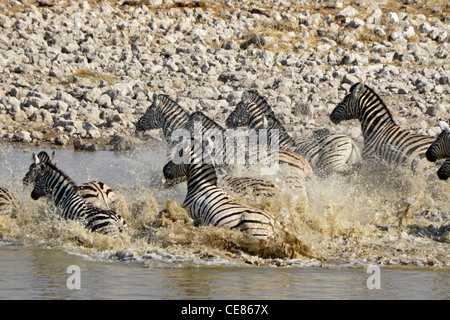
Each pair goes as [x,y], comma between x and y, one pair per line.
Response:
[384,140]
[296,163]
[96,192]
[330,153]
[51,181]
[440,149]
[207,204]
[166,114]
[8,203]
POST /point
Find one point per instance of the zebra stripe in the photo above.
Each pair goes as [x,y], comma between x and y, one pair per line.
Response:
[50,181]
[207,204]
[440,149]
[243,185]
[383,139]
[330,153]
[96,192]
[8,204]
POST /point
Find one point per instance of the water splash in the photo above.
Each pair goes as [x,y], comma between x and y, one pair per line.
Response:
[371,217]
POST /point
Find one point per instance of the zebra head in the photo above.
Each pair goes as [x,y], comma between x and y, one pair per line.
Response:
[239,117]
[174,173]
[38,169]
[175,170]
[444,171]
[249,111]
[350,106]
[440,148]
[190,157]
[152,118]
[42,157]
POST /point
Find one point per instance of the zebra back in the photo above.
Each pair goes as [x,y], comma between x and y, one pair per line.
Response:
[244,185]
[52,182]
[8,203]
[383,139]
[98,193]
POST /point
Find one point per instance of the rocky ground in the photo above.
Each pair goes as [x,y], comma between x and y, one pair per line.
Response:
[79,73]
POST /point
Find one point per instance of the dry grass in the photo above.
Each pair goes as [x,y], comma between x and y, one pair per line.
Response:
[278,36]
[282,41]
[423,7]
[281,35]
[92,75]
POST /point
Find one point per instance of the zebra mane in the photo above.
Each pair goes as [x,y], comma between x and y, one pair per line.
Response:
[206,122]
[273,122]
[358,87]
[60,172]
[252,96]
[163,100]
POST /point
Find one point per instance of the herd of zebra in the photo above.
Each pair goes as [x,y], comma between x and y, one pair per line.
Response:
[207,201]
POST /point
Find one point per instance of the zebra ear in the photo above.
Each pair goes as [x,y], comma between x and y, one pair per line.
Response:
[358,88]
[52,156]
[265,121]
[444,126]
[35,158]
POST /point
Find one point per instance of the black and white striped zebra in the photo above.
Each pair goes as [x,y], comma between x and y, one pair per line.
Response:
[440,149]
[96,192]
[296,163]
[330,153]
[51,182]
[384,140]
[207,204]
[8,203]
[166,114]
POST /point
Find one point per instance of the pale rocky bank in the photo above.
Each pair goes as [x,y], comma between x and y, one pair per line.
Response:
[80,73]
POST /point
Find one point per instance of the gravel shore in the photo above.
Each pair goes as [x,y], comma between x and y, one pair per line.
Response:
[79,73]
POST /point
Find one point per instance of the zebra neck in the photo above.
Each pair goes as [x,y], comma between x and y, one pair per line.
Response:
[173,119]
[62,188]
[374,115]
[201,173]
